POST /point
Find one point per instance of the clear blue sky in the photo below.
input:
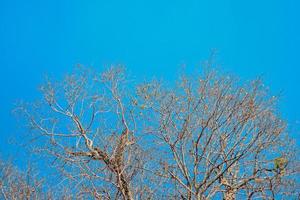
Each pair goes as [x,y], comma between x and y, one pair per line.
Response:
[153,38]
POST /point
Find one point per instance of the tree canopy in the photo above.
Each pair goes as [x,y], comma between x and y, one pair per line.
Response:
[208,136]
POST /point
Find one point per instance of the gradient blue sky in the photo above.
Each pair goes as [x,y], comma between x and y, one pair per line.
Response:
[152,38]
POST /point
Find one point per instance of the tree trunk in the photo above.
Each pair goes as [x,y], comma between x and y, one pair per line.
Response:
[125,188]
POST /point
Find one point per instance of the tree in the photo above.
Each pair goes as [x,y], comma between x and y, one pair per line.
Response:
[17,185]
[207,137]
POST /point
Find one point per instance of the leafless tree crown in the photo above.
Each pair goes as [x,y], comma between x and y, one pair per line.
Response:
[207,137]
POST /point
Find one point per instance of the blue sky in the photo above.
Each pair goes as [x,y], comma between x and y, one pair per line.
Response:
[152,38]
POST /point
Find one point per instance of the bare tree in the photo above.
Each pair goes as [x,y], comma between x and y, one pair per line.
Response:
[15,184]
[88,124]
[220,139]
[208,137]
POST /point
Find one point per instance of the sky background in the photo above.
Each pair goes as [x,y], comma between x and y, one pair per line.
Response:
[152,38]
